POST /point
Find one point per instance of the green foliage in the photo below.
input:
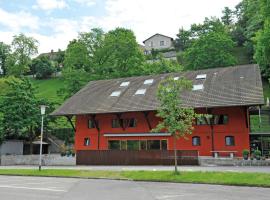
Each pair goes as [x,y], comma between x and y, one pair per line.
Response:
[227,17]
[176,118]
[21,118]
[210,50]
[4,53]
[23,48]
[42,67]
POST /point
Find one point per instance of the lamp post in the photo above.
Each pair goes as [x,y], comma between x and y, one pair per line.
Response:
[42,111]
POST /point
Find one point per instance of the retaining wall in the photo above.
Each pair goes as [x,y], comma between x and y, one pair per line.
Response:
[210,161]
[47,160]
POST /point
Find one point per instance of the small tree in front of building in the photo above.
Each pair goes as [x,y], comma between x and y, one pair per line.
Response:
[177,119]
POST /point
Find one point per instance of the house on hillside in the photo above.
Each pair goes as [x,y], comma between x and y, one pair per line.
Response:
[161,43]
[118,115]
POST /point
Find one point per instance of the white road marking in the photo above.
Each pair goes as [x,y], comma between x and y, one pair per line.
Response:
[166,197]
[32,188]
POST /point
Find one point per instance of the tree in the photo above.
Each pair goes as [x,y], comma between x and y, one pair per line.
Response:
[4,52]
[21,118]
[42,67]
[176,118]
[227,17]
[211,50]
[23,48]
[262,48]
[76,56]
[183,40]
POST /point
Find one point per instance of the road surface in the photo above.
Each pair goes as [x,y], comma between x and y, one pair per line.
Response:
[43,188]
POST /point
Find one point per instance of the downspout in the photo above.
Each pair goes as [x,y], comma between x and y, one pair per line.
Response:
[209,111]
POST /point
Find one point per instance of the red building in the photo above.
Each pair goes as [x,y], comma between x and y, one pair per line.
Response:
[120,113]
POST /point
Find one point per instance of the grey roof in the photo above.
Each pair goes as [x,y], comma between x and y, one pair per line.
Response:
[223,87]
[157,34]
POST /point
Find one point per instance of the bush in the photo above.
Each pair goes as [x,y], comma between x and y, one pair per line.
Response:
[257,154]
[245,154]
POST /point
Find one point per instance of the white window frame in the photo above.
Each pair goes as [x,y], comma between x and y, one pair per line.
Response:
[197,87]
[148,81]
[201,76]
[140,92]
[124,84]
[115,94]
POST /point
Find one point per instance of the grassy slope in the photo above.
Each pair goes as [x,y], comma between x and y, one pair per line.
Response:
[223,178]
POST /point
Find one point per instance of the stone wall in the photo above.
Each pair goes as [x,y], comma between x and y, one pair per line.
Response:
[210,161]
[47,160]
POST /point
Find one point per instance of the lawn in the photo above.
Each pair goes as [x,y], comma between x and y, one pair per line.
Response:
[222,178]
[48,88]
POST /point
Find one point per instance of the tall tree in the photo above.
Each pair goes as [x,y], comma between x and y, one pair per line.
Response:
[4,52]
[227,17]
[176,118]
[42,67]
[211,50]
[21,118]
[183,40]
[23,48]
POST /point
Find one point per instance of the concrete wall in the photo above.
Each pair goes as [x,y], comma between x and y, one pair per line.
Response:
[47,160]
[11,147]
[210,161]
[154,42]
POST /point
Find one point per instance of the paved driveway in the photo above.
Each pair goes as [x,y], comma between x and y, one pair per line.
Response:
[36,188]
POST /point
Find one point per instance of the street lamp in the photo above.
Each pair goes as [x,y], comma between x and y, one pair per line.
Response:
[42,111]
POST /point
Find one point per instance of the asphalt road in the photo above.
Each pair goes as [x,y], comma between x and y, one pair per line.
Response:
[36,188]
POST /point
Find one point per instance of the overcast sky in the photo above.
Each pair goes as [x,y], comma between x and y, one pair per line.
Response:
[55,22]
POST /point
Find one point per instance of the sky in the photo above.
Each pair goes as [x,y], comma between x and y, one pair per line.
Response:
[56,22]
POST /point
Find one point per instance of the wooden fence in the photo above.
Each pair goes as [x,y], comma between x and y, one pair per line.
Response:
[142,157]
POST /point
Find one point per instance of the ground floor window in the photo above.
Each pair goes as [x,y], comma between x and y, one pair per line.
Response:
[229,141]
[196,141]
[137,145]
[86,141]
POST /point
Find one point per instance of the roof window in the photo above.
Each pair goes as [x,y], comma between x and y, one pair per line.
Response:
[201,76]
[124,84]
[115,93]
[176,78]
[198,87]
[140,92]
[148,81]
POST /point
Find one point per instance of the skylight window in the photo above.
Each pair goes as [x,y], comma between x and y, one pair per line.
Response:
[148,81]
[198,87]
[115,93]
[124,84]
[176,78]
[140,92]
[201,76]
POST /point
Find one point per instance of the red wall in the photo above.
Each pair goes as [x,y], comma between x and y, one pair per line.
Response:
[236,127]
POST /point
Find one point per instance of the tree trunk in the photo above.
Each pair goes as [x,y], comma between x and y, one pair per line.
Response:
[175,155]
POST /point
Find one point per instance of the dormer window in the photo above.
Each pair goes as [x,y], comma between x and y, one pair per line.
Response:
[115,93]
[201,76]
[197,87]
[124,84]
[140,92]
[148,81]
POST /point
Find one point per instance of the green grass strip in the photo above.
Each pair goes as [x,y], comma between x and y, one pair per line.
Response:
[221,178]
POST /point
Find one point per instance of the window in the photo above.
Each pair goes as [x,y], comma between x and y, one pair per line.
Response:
[151,44]
[114,145]
[143,145]
[221,119]
[92,123]
[140,92]
[229,141]
[148,81]
[133,145]
[196,141]
[162,43]
[131,123]
[123,145]
[201,120]
[115,93]
[198,87]
[116,123]
[153,144]
[163,144]
[201,76]
[86,142]
[124,84]
[176,78]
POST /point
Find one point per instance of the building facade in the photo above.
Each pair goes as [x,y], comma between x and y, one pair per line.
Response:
[119,114]
[158,42]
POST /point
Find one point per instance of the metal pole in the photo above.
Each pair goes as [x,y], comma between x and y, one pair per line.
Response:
[40,150]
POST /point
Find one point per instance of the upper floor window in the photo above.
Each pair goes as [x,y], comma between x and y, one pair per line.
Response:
[86,142]
[162,43]
[151,44]
[196,141]
[215,119]
[131,122]
[229,141]
[116,123]
[92,123]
